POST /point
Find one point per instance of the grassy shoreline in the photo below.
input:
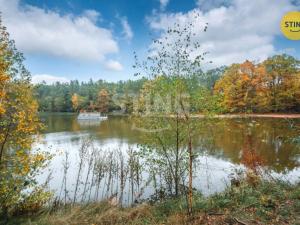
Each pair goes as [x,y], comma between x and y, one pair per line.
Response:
[267,202]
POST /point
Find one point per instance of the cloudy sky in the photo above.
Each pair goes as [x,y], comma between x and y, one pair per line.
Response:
[83,39]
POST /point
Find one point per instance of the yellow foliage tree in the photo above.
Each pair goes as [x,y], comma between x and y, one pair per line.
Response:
[103,100]
[3,81]
[19,125]
[3,68]
[237,87]
[282,80]
[75,101]
[272,86]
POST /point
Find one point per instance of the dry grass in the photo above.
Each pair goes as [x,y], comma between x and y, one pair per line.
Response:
[267,203]
[101,213]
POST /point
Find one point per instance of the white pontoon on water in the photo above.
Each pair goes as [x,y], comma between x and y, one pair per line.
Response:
[91,116]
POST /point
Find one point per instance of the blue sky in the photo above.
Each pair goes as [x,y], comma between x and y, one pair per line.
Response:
[82,39]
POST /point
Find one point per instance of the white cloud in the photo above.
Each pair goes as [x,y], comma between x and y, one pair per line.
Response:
[205,5]
[93,15]
[163,4]
[113,65]
[127,31]
[49,79]
[37,30]
[243,30]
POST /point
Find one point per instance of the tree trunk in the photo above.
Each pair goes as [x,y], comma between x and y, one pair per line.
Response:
[190,194]
[177,158]
[4,142]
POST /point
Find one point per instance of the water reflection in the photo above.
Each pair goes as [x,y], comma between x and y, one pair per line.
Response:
[221,138]
[223,144]
[270,138]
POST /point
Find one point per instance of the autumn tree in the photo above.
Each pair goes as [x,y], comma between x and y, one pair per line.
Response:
[238,87]
[75,101]
[270,86]
[4,78]
[282,80]
[103,101]
[19,125]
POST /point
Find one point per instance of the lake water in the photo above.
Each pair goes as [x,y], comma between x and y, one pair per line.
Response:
[220,143]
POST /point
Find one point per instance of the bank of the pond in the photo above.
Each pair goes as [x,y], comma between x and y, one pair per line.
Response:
[265,203]
[229,115]
[250,115]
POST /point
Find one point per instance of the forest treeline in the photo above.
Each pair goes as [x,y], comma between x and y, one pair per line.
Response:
[75,95]
[270,86]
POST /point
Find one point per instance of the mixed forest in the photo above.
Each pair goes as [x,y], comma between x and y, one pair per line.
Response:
[270,86]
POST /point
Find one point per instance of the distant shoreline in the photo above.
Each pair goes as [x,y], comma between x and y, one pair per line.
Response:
[252,115]
[234,115]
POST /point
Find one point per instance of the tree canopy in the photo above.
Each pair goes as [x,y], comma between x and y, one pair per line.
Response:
[270,86]
[19,125]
